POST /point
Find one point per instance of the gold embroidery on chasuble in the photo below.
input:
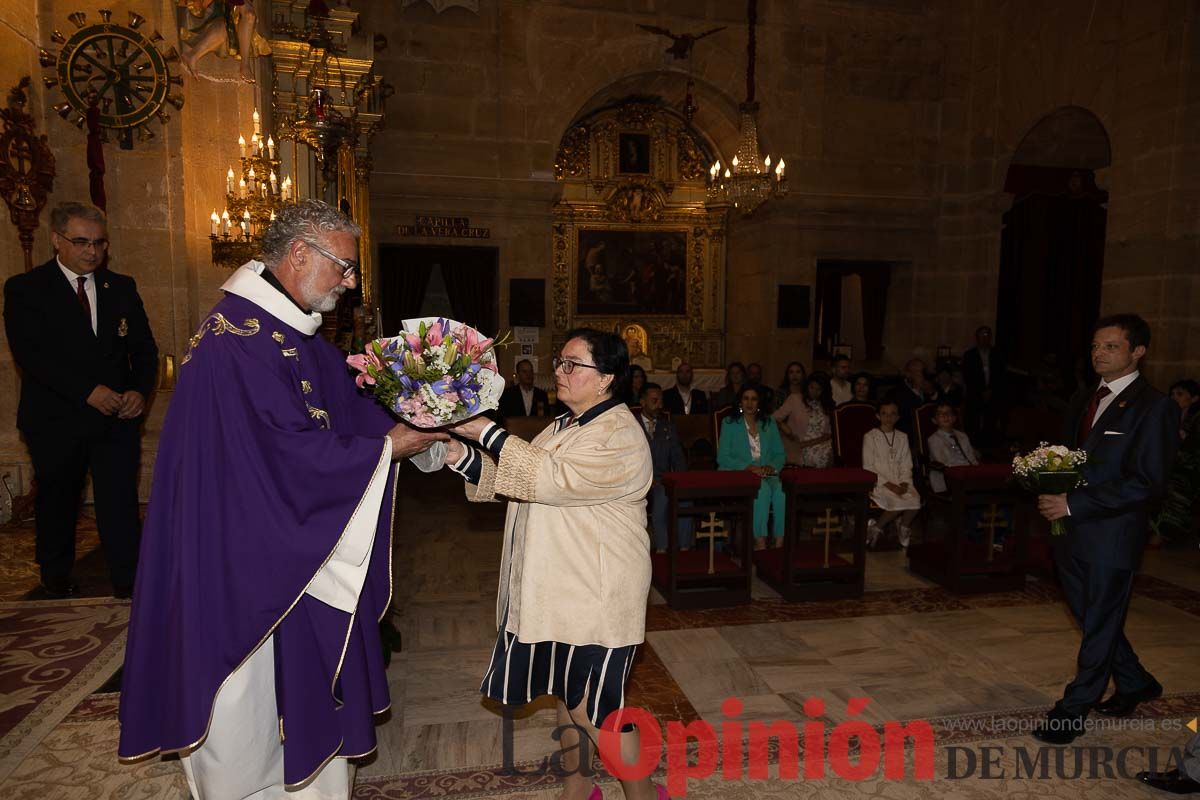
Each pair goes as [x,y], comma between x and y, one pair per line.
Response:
[320,415]
[306,387]
[217,324]
[290,352]
[277,336]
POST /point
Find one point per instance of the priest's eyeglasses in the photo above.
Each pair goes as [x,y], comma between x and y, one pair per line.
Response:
[348,267]
[568,366]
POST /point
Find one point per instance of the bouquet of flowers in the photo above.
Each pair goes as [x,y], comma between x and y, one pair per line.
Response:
[436,372]
[1050,469]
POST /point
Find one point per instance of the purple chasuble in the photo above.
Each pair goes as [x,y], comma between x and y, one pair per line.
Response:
[265,455]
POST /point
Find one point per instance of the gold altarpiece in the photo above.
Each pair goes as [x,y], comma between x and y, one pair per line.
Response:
[634,172]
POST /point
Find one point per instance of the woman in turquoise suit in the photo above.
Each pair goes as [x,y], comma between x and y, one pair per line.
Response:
[750,440]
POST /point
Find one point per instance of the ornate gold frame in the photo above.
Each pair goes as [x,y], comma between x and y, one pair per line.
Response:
[670,198]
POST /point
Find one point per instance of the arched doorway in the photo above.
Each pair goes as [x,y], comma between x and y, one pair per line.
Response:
[1052,244]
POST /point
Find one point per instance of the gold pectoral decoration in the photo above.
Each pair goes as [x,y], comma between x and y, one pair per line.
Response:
[290,352]
[219,325]
[306,387]
[277,336]
[122,327]
[320,415]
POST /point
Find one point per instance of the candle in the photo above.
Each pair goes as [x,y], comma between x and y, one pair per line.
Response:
[229,181]
[225,222]
[287,188]
[246,224]
[242,145]
[274,183]
[256,119]
[251,180]
[271,148]
[215,222]
[255,146]
[242,188]
[262,186]
[272,216]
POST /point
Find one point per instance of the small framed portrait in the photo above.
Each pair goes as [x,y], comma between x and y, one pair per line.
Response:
[635,154]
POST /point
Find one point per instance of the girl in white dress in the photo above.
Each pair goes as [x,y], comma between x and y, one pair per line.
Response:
[886,453]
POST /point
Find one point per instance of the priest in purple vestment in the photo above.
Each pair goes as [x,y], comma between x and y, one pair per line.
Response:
[265,567]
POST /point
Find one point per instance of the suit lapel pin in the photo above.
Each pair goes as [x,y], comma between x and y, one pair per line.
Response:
[123,328]
[1122,404]
[106,284]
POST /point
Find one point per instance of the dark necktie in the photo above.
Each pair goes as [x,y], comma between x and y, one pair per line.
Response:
[83,300]
[1089,419]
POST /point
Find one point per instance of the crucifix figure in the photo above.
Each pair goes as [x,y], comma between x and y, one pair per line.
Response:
[826,525]
[712,529]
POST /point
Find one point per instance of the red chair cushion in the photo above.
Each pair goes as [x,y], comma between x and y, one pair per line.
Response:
[980,472]
[712,479]
[691,563]
[807,555]
[830,475]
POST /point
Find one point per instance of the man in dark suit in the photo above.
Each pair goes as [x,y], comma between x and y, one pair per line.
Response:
[666,453]
[910,395]
[682,398]
[88,362]
[524,399]
[985,374]
[1130,432]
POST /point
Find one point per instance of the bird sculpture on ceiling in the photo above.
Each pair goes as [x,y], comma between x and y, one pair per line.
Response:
[681,44]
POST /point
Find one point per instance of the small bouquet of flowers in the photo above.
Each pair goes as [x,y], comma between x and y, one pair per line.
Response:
[436,372]
[1050,469]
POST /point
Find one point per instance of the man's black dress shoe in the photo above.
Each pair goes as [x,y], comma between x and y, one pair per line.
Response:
[1122,705]
[1174,782]
[59,588]
[1058,729]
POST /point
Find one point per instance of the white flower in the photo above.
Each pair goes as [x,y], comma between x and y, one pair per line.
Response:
[1060,450]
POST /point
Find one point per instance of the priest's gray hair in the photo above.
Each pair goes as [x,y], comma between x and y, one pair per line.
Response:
[305,221]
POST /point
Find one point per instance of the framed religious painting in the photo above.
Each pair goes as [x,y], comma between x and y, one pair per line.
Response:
[631,272]
[634,157]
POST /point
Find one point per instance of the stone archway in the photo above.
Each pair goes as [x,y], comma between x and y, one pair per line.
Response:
[1052,243]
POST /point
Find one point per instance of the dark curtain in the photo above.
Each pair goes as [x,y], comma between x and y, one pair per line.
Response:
[471,284]
[469,274]
[875,276]
[1051,263]
[403,279]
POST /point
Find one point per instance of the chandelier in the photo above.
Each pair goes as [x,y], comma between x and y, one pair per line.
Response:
[748,181]
[252,197]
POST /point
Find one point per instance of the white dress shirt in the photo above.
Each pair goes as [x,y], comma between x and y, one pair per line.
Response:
[89,288]
[527,397]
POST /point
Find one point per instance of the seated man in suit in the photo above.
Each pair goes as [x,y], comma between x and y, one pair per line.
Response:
[523,399]
[667,454]
[1130,431]
[682,398]
[88,362]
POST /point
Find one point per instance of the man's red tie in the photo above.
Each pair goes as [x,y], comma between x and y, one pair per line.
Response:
[1089,419]
[83,300]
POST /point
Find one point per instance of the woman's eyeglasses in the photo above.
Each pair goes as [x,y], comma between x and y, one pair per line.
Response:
[567,366]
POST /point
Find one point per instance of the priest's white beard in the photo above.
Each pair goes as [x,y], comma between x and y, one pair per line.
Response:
[323,303]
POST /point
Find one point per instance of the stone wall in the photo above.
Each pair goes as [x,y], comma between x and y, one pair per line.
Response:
[898,121]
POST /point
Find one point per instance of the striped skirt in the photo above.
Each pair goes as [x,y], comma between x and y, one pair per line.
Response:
[520,673]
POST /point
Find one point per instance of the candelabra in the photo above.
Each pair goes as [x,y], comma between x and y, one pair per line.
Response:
[749,183]
[252,198]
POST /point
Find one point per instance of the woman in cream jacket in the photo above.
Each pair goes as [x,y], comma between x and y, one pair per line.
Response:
[575,571]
